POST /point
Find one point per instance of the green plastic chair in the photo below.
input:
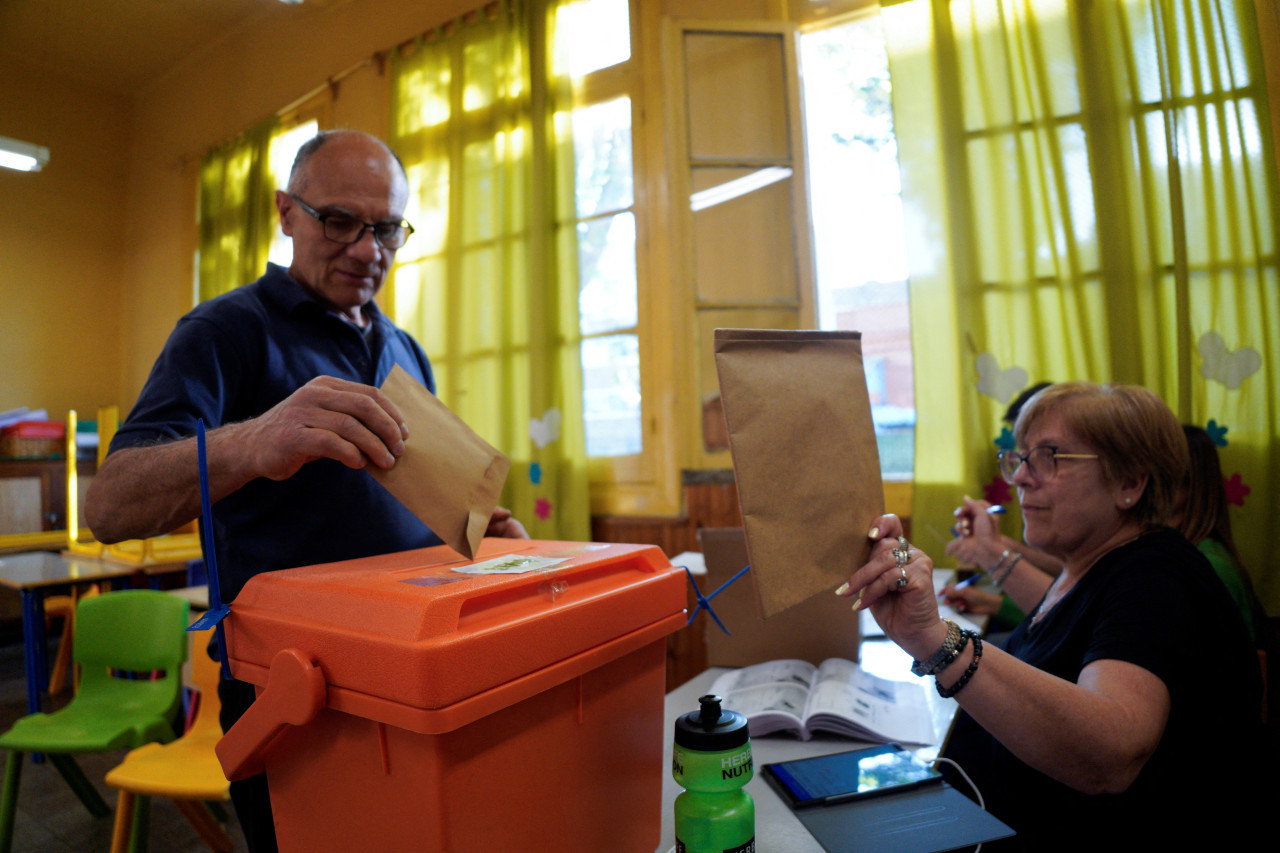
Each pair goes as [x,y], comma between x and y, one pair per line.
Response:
[138,633]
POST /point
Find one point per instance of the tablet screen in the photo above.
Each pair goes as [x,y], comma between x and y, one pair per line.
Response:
[847,775]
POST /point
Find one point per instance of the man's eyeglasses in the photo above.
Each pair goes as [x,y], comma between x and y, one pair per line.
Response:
[1041,461]
[341,228]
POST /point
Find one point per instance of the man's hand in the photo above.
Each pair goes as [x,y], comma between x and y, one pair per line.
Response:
[149,490]
[504,525]
[327,418]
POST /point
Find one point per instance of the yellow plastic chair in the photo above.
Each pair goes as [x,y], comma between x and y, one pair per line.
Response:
[65,606]
[117,634]
[186,770]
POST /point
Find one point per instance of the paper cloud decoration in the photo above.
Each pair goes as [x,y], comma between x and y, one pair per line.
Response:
[999,385]
[545,429]
[1218,364]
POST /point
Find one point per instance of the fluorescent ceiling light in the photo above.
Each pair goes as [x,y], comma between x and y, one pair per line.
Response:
[22,156]
[738,187]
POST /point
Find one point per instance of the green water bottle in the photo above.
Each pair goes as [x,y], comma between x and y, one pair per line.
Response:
[712,762]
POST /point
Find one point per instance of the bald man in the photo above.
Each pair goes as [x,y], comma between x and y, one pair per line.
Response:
[285,374]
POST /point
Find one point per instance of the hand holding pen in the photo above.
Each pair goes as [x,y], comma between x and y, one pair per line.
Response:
[963,527]
[977,533]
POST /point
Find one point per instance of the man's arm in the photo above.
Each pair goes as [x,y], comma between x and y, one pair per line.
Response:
[150,490]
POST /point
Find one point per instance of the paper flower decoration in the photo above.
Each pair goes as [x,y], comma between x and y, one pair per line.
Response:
[1006,440]
[542,509]
[999,385]
[545,429]
[535,473]
[1236,489]
[1218,364]
[997,491]
[1217,433]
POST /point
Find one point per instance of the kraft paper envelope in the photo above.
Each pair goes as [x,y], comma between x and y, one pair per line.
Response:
[815,630]
[449,477]
[804,457]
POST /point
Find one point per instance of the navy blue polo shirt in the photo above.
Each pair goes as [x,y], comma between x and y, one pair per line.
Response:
[236,356]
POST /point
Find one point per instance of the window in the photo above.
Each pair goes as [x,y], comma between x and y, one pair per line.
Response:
[593,43]
[284,148]
[859,244]
[239,229]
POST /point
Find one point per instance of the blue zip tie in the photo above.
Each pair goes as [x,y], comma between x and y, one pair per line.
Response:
[704,601]
[217,610]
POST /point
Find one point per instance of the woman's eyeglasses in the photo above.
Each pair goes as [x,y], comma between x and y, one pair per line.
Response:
[1041,461]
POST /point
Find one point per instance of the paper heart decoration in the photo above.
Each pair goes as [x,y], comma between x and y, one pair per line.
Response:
[1221,365]
[545,429]
[999,385]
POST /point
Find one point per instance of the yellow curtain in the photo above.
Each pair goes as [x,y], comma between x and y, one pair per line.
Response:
[480,284]
[1090,190]
[237,211]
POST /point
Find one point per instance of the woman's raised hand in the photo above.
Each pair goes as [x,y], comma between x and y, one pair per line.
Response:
[896,583]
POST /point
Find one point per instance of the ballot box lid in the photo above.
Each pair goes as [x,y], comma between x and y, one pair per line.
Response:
[408,639]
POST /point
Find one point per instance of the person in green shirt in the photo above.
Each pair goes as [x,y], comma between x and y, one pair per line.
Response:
[1201,515]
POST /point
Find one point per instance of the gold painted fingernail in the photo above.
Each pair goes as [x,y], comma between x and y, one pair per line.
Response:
[844,587]
[857,602]
[875,531]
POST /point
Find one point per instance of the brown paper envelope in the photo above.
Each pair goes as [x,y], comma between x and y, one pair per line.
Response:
[449,477]
[814,630]
[804,457]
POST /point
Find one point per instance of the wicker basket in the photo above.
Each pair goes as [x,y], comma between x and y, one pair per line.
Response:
[33,440]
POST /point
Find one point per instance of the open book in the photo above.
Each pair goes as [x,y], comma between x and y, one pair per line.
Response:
[797,697]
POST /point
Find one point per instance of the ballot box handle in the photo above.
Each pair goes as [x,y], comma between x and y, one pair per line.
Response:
[294,694]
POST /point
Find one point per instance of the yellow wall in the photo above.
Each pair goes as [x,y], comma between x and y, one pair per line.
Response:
[61,239]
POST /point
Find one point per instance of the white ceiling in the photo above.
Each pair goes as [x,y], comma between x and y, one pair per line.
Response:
[122,45]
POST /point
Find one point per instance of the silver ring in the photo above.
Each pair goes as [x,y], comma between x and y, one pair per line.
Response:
[902,556]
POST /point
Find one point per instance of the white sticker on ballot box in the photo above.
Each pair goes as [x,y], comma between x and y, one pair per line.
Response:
[513,564]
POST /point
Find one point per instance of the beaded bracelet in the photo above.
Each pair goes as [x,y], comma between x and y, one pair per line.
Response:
[1004,555]
[1003,576]
[935,663]
[948,692]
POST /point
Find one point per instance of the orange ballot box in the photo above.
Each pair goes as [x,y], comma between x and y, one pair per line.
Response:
[423,702]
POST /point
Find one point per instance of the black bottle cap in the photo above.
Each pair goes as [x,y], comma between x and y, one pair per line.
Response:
[710,729]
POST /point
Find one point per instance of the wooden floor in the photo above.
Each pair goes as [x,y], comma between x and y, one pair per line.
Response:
[51,819]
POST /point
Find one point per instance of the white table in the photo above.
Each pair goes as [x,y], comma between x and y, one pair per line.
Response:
[777,828]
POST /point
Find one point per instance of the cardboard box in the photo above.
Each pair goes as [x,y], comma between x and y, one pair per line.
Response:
[820,627]
[443,711]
